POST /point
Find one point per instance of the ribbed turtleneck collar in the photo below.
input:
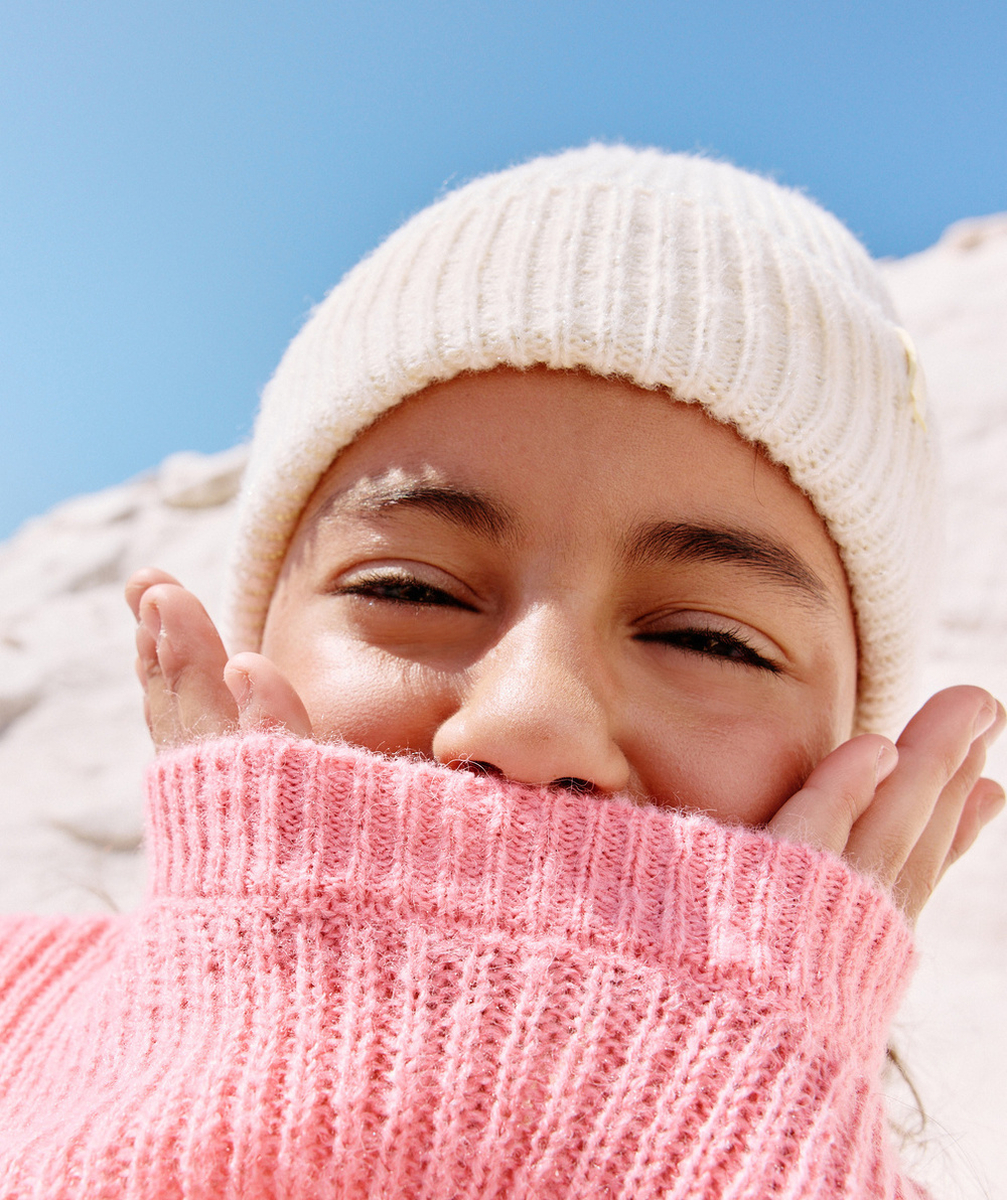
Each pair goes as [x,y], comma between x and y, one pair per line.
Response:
[269,821]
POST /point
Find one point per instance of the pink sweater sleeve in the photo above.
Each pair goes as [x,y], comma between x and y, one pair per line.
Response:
[364,977]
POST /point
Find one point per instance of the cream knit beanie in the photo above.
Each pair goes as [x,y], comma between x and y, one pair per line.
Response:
[671,271]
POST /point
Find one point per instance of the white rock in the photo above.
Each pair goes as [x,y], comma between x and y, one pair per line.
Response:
[102,508]
[21,684]
[973,232]
[190,480]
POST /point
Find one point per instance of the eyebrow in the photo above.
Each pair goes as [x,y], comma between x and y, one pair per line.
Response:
[471,510]
[662,541]
[650,544]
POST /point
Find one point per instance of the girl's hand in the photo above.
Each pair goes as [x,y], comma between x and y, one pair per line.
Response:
[902,814]
[899,815]
[191,689]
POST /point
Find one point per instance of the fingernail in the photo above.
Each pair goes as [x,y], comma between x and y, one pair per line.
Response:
[887,761]
[150,618]
[239,685]
[146,649]
[987,715]
[992,807]
[999,723]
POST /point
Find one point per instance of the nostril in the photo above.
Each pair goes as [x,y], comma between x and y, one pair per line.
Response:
[473,765]
[584,786]
[568,783]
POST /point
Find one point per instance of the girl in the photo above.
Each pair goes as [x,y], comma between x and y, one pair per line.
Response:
[542,839]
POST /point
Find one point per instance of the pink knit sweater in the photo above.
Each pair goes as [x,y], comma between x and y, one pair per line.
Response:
[363,977]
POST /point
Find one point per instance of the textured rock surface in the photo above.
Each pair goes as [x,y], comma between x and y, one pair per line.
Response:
[73,744]
[72,739]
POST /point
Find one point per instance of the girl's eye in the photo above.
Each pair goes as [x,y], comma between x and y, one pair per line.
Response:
[713,643]
[398,587]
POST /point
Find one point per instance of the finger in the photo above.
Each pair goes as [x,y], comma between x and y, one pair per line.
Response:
[932,750]
[985,801]
[140,581]
[146,666]
[964,805]
[836,793]
[264,697]
[148,672]
[952,813]
[185,678]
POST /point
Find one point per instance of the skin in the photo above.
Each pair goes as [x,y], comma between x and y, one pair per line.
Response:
[568,580]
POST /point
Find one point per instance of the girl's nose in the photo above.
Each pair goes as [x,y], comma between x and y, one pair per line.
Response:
[534,713]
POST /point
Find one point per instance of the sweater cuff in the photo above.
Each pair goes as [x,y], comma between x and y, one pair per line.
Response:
[265,820]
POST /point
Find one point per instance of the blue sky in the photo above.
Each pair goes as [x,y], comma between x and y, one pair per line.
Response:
[181,182]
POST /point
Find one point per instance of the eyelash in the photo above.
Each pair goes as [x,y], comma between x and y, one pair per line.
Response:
[729,645]
[399,587]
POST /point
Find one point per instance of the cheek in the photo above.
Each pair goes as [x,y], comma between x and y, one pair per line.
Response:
[736,768]
[361,695]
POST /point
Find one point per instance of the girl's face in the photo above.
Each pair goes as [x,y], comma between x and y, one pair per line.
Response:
[570,579]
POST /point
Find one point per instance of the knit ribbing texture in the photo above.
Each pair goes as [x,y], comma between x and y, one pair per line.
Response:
[673,272]
[364,977]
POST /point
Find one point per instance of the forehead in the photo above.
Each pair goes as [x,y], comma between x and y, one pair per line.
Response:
[515,423]
[570,458]
[548,430]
